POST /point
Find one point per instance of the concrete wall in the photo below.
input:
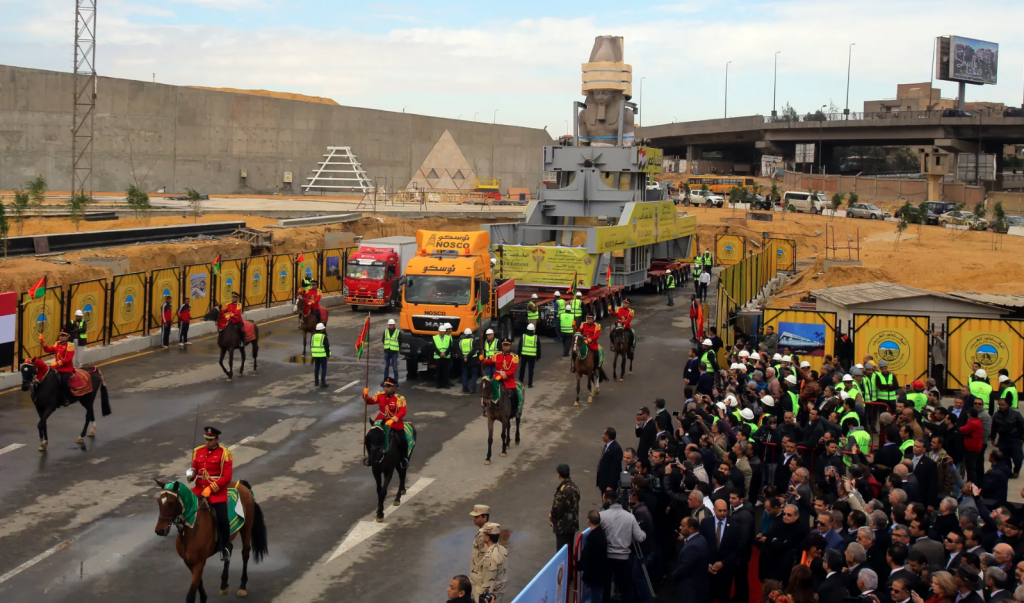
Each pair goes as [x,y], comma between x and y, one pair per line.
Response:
[882,189]
[176,137]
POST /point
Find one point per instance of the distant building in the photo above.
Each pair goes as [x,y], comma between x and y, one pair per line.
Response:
[925,97]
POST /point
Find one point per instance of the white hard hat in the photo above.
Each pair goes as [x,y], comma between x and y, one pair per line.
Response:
[805,364]
[720,405]
[493,261]
[468,331]
[791,379]
[557,294]
[847,377]
[768,401]
[534,296]
[787,358]
[755,356]
[777,356]
[442,328]
[747,414]
[320,326]
[860,366]
[735,366]
[530,327]
[981,374]
[448,325]
[706,342]
[391,322]
[489,332]
[578,294]
[731,399]
[744,354]
[843,395]
[78,313]
[1003,378]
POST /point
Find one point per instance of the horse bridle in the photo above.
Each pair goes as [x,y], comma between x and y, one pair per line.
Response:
[177,521]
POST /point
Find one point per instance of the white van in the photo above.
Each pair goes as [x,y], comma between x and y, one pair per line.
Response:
[805,202]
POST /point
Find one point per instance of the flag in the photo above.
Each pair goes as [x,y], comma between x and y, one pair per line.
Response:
[479,311]
[572,287]
[301,258]
[700,322]
[216,264]
[37,290]
[362,342]
[609,274]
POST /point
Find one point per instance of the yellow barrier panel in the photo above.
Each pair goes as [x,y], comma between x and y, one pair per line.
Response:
[785,252]
[256,280]
[806,333]
[40,317]
[128,311]
[91,298]
[993,344]
[901,341]
[197,286]
[308,266]
[163,282]
[332,270]
[729,249]
[281,279]
[229,281]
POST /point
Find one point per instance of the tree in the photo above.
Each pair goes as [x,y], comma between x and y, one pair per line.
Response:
[195,201]
[852,199]
[908,214]
[736,193]
[979,210]
[775,190]
[837,202]
[36,190]
[20,207]
[5,226]
[138,200]
[76,205]
[788,114]
[686,192]
[999,225]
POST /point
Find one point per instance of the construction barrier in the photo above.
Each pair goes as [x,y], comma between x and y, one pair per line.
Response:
[197,286]
[229,281]
[901,341]
[128,307]
[163,283]
[256,289]
[807,333]
[91,298]
[282,287]
[740,283]
[333,270]
[993,344]
[729,249]
[785,253]
[40,316]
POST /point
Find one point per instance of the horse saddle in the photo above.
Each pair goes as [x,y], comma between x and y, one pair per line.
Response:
[410,437]
[323,313]
[249,328]
[80,383]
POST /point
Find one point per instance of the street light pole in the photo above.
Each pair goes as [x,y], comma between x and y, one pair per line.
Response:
[475,114]
[849,61]
[641,103]
[495,119]
[775,81]
[404,108]
[726,111]
[566,127]
[820,153]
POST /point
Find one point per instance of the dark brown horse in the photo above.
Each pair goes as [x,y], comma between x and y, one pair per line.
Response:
[622,348]
[45,385]
[198,543]
[585,364]
[228,339]
[499,409]
[307,321]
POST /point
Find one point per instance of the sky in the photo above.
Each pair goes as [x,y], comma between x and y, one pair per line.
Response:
[519,62]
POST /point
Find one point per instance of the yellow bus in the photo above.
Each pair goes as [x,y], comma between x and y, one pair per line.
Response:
[718,184]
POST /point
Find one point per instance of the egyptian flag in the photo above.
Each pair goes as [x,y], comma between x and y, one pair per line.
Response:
[8,318]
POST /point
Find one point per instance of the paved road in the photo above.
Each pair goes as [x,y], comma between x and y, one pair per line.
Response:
[301,448]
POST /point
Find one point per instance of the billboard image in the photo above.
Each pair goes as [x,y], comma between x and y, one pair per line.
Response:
[973,61]
[806,339]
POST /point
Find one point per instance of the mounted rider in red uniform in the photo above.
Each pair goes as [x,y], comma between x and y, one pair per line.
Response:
[232,313]
[63,362]
[212,466]
[591,336]
[505,364]
[312,299]
[624,318]
[392,412]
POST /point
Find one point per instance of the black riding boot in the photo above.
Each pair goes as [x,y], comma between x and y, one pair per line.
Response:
[220,510]
[241,335]
[405,449]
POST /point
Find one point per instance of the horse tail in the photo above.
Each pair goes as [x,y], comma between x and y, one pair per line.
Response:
[259,534]
[104,396]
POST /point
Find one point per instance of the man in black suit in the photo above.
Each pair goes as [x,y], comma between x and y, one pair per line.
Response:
[997,583]
[856,558]
[782,474]
[968,582]
[889,455]
[724,544]
[742,512]
[691,573]
[594,558]
[954,544]
[896,557]
[610,465]
[662,420]
[647,431]
[927,473]
[833,589]
[721,486]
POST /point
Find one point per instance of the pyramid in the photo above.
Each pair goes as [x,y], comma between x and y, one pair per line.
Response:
[445,168]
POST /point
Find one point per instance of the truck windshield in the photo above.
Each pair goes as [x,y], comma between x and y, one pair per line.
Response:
[375,273]
[453,290]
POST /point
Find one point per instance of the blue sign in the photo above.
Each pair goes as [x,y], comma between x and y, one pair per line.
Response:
[551,584]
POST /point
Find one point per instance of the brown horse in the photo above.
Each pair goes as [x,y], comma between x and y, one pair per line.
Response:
[198,543]
[307,321]
[229,339]
[584,362]
[500,409]
[622,348]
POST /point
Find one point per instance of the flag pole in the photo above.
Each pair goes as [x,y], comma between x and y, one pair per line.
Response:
[367,385]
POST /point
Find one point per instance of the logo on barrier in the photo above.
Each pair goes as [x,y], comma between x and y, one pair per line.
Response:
[87,315]
[989,351]
[41,322]
[254,285]
[282,279]
[128,307]
[227,284]
[892,347]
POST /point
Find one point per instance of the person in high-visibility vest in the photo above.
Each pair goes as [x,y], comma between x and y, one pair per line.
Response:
[529,354]
[566,327]
[532,311]
[862,438]
[917,396]
[980,388]
[886,385]
[577,308]
[392,342]
[867,383]
[670,288]
[442,356]
[490,348]
[747,418]
[907,437]
[320,350]
[1007,391]
[707,260]
[792,393]
[697,269]
[848,416]
[559,310]
[708,358]
[468,352]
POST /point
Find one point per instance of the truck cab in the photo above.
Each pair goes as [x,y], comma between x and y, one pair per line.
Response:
[374,272]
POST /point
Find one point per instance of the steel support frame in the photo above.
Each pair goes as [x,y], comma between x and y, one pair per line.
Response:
[84,106]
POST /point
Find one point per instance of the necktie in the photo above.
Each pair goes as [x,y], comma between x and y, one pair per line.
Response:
[718,536]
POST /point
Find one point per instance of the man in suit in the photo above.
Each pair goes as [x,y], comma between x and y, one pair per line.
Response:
[833,589]
[691,573]
[997,583]
[927,473]
[899,592]
[896,557]
[721,486]
[824,526]
[647,431]
[782,474]
[968,583]
[856,557]
[742,512]
[610,465]
[724,545]
[594,558]
[954,545]
[932,549]
[800,491]
[889,455]
[867,582]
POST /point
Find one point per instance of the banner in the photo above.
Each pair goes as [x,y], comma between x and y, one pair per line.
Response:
[91,298]
[40,316]
[729,249]
[901,341]
[992,344]
[551,584]
[785,252]
[804,332]
[128,310]
[332,270]
[643,223]
[196,283]
[229,281]
[547,265]
[308,266]
[162,283]
[256,269]
[281,281]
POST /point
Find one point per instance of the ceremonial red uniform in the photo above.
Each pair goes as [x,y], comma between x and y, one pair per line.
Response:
[231,313]
[312,298]
[391,407]
[212,467]
[624,317]
[504,368]
[592,332]
[63,354]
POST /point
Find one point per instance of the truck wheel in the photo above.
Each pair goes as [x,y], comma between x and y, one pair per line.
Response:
[354,308]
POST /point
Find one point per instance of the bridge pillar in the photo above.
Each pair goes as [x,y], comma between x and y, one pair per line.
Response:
[692,154]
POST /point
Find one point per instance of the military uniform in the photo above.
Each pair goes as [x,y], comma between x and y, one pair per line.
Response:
[213,470]
[232,313]
[624,319]
[392,413]
[493,573]
[565,513]
[63,363]
[505,366]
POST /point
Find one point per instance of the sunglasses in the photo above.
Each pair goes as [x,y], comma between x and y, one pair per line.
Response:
[790,514]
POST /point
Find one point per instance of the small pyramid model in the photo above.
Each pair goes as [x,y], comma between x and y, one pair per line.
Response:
[445,168]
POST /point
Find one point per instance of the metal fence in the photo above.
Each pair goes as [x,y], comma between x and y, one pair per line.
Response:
[819,116]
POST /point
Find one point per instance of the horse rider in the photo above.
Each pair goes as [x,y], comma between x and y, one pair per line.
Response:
[79,331]
[559,309]
[232,313]
[392,410]
[505,364]
[312,298]
[591,336]
[577,308]
[63,362]
[211,469]
[529,351]
[490,348]
[624,318]
[442,356]
[532,311]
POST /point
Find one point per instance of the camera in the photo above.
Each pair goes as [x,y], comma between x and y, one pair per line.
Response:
[675,413]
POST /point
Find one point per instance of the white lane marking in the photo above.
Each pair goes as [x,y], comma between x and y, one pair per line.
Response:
[365,529]
[24,566]
[10,448]
[344,387]
[240,442]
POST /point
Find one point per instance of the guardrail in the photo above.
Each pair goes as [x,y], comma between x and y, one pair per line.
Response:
[817,117]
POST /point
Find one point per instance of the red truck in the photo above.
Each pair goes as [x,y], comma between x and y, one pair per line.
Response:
[373,273]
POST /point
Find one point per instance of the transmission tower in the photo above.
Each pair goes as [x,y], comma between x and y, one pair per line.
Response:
[84,110]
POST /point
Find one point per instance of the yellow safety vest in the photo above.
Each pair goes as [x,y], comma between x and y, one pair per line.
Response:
[532,314]
[391,340]
[491,347]
[577,308]
[560,305]
[919,400]
[466,345]
[529,345]
[441,344]
[565,320]
[316,346]
[883,395]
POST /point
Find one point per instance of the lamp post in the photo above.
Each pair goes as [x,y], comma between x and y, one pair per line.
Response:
[775,81]
[460,116]
[475,114]
[641,103]
[821,112]
[405,107]
[849,60]
[726,111]
[566,127]
[494,120]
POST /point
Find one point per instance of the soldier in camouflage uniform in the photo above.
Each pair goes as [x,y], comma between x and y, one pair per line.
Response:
[481,515]
[565,510]
[493,566]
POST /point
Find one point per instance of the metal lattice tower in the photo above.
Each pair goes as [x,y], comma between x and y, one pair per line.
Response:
[84,109]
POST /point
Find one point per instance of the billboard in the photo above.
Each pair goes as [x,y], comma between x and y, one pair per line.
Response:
[547,266]
[973,61]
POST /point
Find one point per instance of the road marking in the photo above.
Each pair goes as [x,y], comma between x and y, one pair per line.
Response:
[24,566]
[240,442]
[10,448]
[344,387]
[365,529]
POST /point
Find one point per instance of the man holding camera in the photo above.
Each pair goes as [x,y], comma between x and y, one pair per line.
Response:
[621,530]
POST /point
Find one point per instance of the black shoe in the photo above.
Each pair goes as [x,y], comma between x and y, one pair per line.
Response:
[324,384]
[316,384]
[531,385]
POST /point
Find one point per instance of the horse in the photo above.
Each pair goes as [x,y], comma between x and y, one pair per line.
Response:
[308,321]
[499,409]
[622,348]
[228,340]
[198,543]
[585,363]
[45,385]
[385,463]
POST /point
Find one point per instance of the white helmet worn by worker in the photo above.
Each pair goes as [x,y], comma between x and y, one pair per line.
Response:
[791,379]
[747,415]
[530,327]
[1003,378]
[442,328]
[847,377]
[706,342]
[744,354]
[787,358]
[578,294]
[534,296]
[805,364]
[731,399]
[768,401]
[489,332]
[777,356]
[981,374]
[320,326]
[468,331]
[557,294]
[79,313]
[755,356]
[391,322]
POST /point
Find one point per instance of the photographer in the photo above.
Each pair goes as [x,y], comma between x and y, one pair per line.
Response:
[621,530]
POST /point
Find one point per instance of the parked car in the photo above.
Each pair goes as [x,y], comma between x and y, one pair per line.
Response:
[934,209]
[805,202]
[756,201]
[962,218]
[1008,221]
[956,113]
[866,210]
[707,198]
